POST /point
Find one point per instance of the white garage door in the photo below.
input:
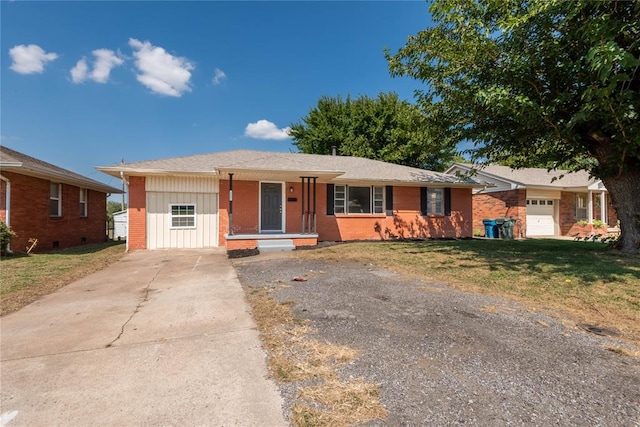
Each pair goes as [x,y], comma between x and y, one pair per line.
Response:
[540,218]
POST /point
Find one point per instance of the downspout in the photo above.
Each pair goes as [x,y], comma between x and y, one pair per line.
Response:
[7,206]
[124,181]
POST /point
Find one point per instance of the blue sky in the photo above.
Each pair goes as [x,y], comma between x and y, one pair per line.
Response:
[84,84]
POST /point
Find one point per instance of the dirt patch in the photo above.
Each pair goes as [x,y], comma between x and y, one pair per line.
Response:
[444,357]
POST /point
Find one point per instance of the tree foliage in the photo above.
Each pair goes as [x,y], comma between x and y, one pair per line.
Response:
[537,82]
[113,207]
[382,128]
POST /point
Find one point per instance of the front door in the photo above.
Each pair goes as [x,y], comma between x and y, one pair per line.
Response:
[271,207]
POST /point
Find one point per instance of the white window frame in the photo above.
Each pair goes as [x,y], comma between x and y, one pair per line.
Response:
[581,205]
[341,200]
[58,198]
[181,216]
[435,195]
[84,198]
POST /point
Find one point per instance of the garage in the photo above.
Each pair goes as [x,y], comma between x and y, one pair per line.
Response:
[182,212]
[540,217]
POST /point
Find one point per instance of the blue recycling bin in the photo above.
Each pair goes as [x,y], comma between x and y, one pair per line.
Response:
[490,228]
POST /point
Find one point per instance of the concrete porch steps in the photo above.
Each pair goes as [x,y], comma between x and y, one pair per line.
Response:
[275,245]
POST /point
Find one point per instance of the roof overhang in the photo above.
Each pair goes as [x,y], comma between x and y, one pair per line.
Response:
[276,174]
[22,169]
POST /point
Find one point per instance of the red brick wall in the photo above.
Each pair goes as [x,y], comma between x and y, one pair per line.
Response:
[406,221]
[30,215]
[137,210]
[501,204]
[569,225]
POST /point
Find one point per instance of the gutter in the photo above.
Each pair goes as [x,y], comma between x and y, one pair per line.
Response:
[7,206]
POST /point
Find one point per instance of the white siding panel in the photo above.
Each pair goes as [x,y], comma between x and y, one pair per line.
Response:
[182,184]
[159,231]
[543,194]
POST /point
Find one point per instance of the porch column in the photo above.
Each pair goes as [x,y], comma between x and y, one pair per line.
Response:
[230,204]
[590,207]
[302,204]
[309,217]
[315,218]
[603,208]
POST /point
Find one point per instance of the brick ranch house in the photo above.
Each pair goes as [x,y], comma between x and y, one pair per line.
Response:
[250,199]
[56,206]
[543,203]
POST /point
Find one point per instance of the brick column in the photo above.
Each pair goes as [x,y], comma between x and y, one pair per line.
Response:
[137,211]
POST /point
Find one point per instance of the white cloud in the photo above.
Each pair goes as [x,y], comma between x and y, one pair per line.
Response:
[264,129]
[218,76]
[105,61]
[30,59]
[160,71]
[79,72]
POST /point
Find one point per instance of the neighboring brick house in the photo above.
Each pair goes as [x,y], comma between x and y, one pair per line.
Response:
[543,203]
[58,207]
[246,199]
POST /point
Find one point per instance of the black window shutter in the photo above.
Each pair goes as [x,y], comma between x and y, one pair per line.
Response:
[447,201]
[389,200]
[330,201]
[423,200]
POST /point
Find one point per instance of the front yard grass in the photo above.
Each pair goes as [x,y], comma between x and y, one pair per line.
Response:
[25,278]
[585,281]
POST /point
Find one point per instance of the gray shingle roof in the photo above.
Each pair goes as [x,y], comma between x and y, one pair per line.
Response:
[14,161]
[536,176]
[340,168]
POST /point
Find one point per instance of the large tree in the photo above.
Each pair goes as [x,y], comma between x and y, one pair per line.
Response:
[538,82]
[382,128]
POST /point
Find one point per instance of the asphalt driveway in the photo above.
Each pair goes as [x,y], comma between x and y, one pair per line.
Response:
[445,357]
[158,338]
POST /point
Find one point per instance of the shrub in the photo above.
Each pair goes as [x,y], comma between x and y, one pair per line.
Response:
[6,235]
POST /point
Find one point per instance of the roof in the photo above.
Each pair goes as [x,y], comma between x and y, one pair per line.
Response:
[255,165]
[531,177]
[14,161]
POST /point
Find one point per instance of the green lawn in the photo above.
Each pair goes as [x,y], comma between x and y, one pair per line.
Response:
[584,280]
[25,278]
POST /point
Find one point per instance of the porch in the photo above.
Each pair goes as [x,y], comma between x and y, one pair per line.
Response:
[284,241]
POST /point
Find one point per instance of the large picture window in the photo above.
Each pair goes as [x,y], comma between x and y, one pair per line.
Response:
[55,199]
[351,199]
[183,216]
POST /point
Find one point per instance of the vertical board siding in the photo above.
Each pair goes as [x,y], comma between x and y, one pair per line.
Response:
[161,236]
[182,184]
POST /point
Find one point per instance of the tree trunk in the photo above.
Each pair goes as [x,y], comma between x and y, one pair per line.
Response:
[625,197]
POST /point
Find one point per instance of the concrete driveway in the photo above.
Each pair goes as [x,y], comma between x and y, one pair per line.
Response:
[158,338]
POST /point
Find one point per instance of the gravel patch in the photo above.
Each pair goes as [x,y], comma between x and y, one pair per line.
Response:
[444,357]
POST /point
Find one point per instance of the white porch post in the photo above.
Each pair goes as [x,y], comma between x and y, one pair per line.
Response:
[603,208]
[590,207]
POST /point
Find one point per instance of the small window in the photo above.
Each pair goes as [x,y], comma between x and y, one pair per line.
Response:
[378,200]
[340,199]
[434,201]
[549,202]
[55,199]
[83,202]
[534,202]
[581,206]
[528,202]
[183,216]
